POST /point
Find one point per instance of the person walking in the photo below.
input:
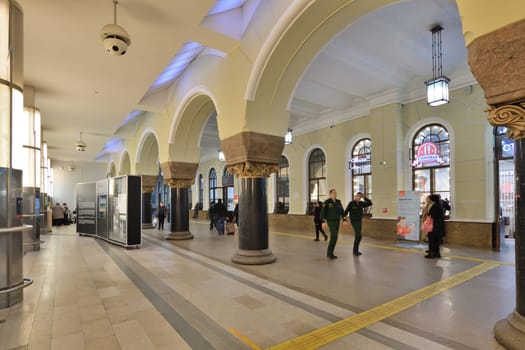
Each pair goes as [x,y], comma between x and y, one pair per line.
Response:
[317,221]
[161,215]
[355,210]
[211,214]
[331,215]
[220,216]
[438,227]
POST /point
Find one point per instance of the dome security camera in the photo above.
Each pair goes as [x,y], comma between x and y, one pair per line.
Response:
[116,39]
[81,146]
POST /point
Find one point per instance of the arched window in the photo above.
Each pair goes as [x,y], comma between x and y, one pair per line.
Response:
[201,190]
[227,190]
[431,162]
[212,184]
[316,179]
[361,166]
[282,197]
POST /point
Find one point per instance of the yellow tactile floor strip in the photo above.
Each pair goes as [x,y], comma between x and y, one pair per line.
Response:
[337,330]
[244,339]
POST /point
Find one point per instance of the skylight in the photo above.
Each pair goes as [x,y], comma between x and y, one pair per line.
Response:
[225,5]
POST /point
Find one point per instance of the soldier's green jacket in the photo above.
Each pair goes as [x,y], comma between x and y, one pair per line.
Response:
[332,210]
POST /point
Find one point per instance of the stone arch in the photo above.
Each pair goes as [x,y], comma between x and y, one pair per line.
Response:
[112,171]
[147,160]
[188,124]
[125,163]
[277,72]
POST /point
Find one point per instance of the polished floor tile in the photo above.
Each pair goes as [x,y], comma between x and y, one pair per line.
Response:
[88,294]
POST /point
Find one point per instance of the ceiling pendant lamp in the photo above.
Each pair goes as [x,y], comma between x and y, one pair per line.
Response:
[437,88]
[288,137]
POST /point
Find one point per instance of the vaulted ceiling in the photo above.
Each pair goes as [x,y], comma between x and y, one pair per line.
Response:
[383,57]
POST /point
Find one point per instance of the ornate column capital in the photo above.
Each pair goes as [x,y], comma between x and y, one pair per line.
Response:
[497,61]
[149,182]
[179,174]
[250,154]
[252,170]
[179,183]
[511,116]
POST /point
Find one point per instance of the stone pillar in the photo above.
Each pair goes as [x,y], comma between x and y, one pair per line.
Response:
[253,157]
[179,211]
[179,176]
[497,61]
[148,186]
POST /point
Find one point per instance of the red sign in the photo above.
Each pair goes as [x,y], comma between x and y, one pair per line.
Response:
[427,152]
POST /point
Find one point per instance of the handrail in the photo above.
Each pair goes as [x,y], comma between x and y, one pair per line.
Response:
[34,243]
[16,228]
[27,282]
[29,215]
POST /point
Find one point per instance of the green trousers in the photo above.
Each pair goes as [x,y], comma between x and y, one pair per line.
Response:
[334,233]
[357,239]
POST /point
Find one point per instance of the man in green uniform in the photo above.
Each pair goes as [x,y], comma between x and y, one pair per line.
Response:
[331,215]
[355,209]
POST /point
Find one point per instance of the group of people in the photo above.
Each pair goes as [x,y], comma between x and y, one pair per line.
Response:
[61,214]
[220,218]
[329,214]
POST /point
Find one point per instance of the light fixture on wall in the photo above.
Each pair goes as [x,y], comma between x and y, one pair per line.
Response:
[288,137]
[437,88]
[221,155]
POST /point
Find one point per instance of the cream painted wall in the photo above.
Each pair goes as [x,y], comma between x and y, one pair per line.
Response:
[392,129]
[466,122]
[65,181]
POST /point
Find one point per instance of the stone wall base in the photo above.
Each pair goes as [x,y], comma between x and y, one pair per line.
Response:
[468,234]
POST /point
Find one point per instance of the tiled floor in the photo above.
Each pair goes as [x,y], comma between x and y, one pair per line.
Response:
[88,294]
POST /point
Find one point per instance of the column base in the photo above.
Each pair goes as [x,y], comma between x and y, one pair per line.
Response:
[510,332]
[178,236]
[253,257]
[148,226]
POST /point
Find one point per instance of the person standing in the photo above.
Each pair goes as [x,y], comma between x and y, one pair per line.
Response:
[317,221]
[331,215]
[438,228]
[355,209]
[161,215]
[58,214]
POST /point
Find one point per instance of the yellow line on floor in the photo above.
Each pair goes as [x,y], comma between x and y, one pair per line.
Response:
[244,339]
[400,249]
[337,330]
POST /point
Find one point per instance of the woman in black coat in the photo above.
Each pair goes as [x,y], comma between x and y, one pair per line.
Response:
[436,235]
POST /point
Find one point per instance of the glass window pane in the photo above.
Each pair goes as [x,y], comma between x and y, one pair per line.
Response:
[442,180]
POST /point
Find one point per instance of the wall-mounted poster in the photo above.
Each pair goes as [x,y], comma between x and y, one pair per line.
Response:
[408,215]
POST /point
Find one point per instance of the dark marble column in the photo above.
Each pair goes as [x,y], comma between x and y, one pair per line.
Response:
[147,221]
[148,186]
[511,331]
[253,223]
[497,61]
[253,157]
[179,211]
[519,163]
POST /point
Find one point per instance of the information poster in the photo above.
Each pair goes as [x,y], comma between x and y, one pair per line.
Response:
[86,208]
[408,215]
